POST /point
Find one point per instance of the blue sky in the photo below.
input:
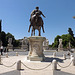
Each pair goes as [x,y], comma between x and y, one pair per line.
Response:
[15,16]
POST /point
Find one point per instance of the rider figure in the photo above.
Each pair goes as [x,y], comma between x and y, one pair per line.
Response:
[36,10]
[33,15]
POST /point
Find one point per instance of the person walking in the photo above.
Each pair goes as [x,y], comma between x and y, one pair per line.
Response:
[1,50]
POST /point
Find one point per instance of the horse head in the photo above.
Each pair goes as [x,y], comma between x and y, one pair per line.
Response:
[37,14]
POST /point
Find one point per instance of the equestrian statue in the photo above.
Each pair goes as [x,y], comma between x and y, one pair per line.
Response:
[36,21]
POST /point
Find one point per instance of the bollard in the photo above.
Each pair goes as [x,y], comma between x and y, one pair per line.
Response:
[64,56]
[71,56]
[54,54]
[54,64]
[16,53]
[6,55]
[19,65]
[0,59]
[73,61]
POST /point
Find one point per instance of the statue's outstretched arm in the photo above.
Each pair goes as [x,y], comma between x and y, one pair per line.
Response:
[43,15]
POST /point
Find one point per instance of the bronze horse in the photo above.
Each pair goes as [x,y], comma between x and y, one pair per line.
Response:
[36,23]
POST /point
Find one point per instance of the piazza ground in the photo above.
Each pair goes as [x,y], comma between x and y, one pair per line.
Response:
[36,64]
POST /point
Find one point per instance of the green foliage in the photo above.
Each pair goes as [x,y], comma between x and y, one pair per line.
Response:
[16,43]
[66,38]
[4,38]
[56,41]
[50,45]
[9,35]
[70,32]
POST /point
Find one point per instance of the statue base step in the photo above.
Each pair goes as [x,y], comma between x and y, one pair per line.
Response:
[10,46]
[35,58]
[60,49]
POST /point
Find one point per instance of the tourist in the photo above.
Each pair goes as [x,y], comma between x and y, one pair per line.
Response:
[69,54]
[4,49]
[1,50]
[57,49]
[7,49]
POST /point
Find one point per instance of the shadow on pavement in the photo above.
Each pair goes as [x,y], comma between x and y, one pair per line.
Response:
[14,72]
[61,73]
[48,59]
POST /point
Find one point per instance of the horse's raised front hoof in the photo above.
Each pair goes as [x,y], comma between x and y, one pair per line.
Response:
[28,31]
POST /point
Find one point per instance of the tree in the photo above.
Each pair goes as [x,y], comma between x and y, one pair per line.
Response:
[16,43]
[70,32]
[56,41]
[9,35]
[3,38]
[66,38]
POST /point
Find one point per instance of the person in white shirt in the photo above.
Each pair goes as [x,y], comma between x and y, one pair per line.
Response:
[1,50]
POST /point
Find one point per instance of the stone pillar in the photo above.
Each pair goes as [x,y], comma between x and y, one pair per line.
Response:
[36,48]
[54,65]
[6,55]
[71,56]
[54,54]
[16,53]
[73,61]
[64,56]
[19,65]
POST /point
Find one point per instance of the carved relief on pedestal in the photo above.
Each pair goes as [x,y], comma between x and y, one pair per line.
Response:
[35,49]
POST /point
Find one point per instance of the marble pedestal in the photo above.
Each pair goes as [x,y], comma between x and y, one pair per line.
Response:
[36,48]
[60,49]
[10,46]
[25,47]
[45,47]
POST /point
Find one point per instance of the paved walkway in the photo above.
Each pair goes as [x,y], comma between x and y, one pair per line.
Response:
[35,65]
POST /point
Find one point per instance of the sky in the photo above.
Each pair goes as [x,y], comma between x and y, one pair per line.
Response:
[15,15]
